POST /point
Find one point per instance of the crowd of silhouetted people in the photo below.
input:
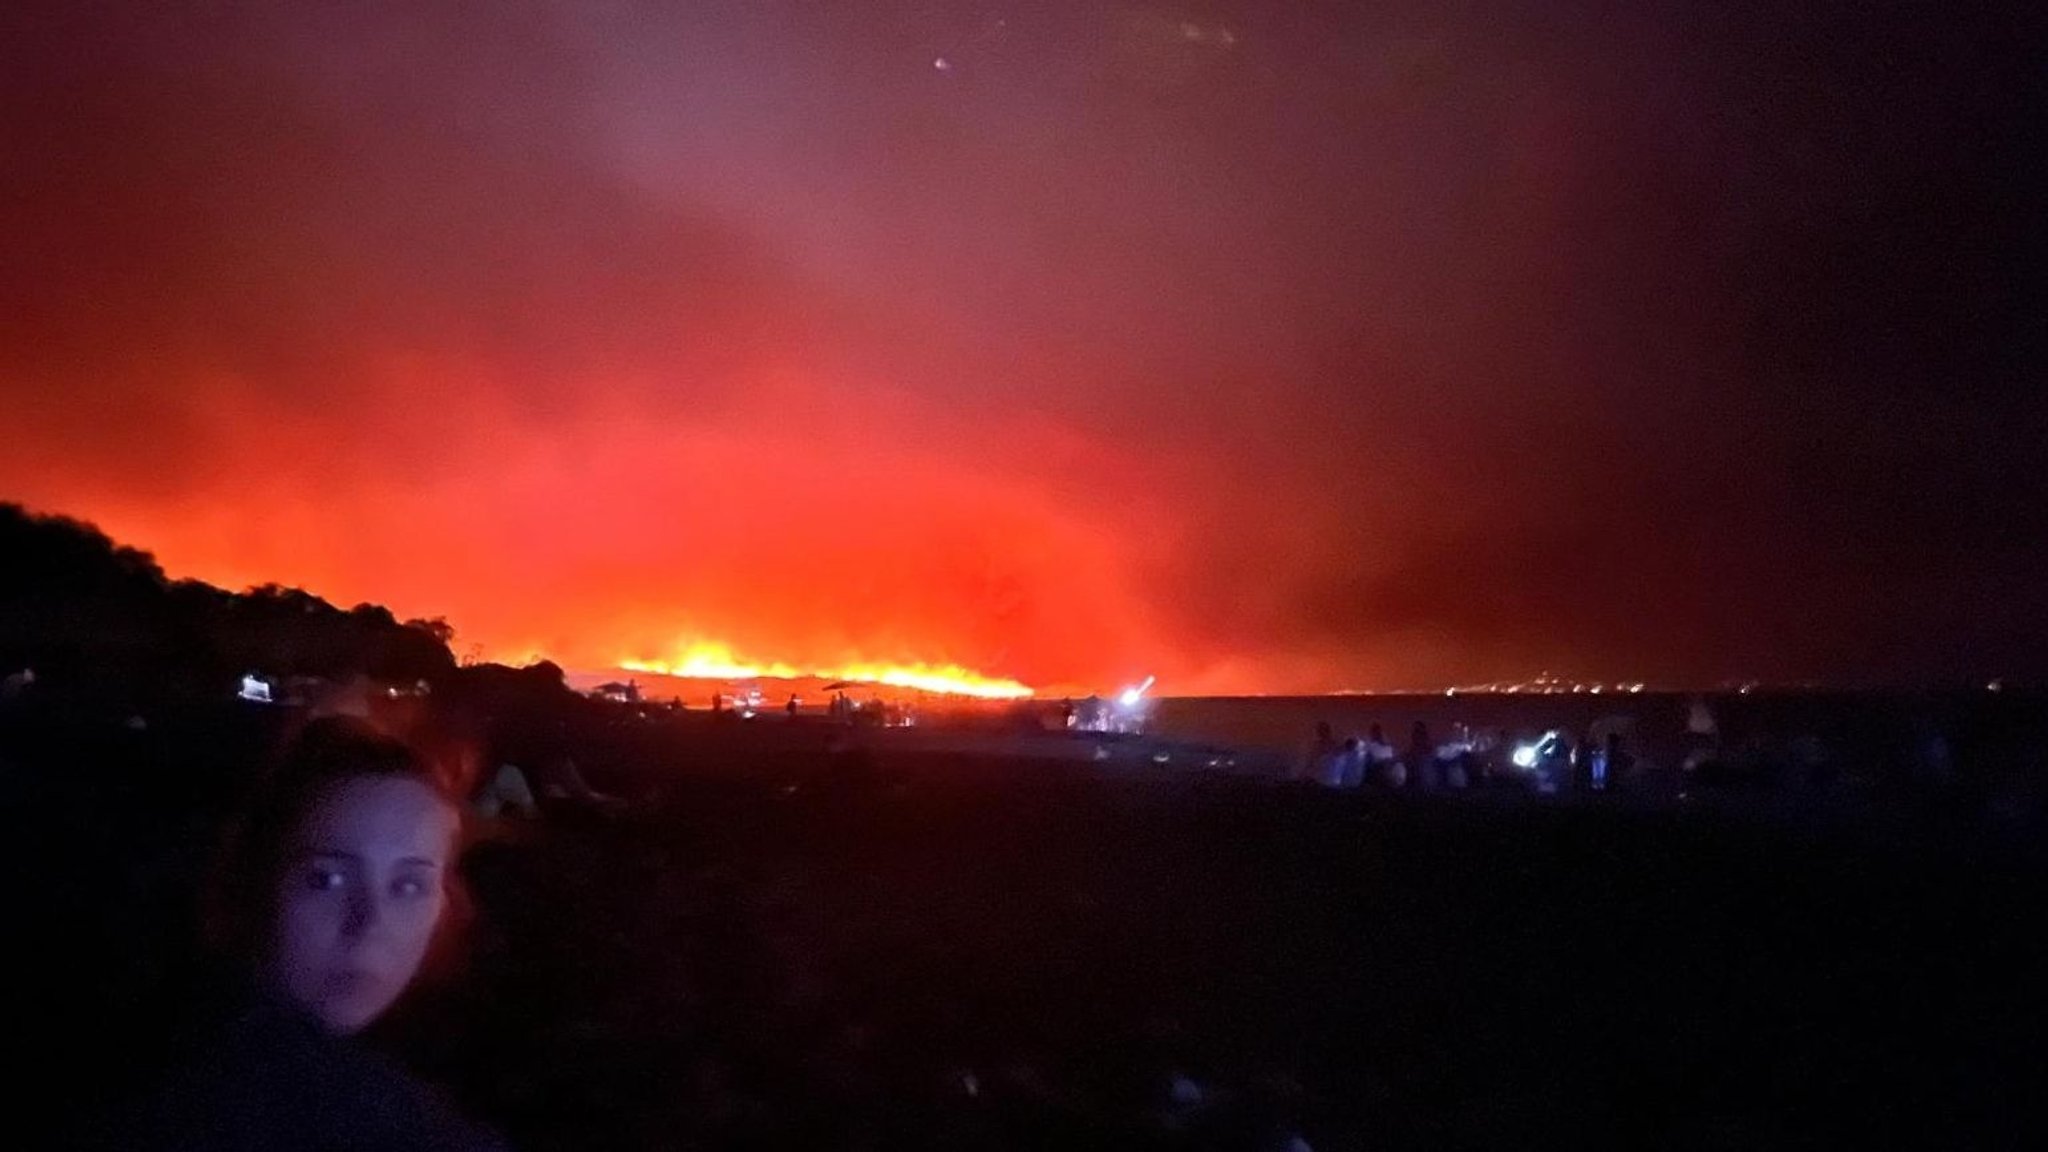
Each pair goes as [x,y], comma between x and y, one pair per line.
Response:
[1888,759]
[1487,760]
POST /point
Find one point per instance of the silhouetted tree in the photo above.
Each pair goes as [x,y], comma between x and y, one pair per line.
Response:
[442,631]
[86,610]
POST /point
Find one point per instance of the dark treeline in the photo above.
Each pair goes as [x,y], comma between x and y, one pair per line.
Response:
[82,611]
[97,632]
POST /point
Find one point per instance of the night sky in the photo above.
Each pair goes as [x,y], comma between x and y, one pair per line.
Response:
[1264,347]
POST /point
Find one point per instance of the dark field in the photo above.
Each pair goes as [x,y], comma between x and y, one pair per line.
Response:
[807,951]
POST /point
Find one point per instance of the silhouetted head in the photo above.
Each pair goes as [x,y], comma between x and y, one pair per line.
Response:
[343,873]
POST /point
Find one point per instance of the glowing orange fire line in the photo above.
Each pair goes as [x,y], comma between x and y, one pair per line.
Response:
[705,661]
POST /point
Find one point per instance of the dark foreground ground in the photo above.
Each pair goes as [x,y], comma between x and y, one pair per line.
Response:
[962,955]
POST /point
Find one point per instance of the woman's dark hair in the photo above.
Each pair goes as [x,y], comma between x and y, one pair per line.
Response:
[241,906]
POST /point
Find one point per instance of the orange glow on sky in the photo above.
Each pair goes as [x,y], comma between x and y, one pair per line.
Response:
[1407,348]
[778,554]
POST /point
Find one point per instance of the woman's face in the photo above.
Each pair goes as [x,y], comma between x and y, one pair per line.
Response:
[360,894]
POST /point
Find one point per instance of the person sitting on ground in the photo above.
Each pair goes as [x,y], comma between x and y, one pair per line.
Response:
[562,781]
[1377,750]
[1620,765]
[506,793]
[1341,765]
[17,684]
[328,901]
[1319,751]
[1421,757]
[1352,763]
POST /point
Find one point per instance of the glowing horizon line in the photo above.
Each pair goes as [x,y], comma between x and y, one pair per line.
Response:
[705,661]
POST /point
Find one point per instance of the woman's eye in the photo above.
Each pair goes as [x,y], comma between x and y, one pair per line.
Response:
[324,879]
[409,887]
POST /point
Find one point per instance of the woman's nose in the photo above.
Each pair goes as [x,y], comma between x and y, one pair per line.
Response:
[365,912]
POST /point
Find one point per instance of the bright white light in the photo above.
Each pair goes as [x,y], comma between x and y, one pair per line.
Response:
[254,688]
[1525,755]
[1129,697]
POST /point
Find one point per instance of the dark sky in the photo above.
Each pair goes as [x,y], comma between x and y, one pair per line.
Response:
[1264,347]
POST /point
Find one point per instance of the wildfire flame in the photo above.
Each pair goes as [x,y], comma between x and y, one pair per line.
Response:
[708,661]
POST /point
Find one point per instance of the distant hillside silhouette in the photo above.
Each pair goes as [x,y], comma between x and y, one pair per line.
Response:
[82,610]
